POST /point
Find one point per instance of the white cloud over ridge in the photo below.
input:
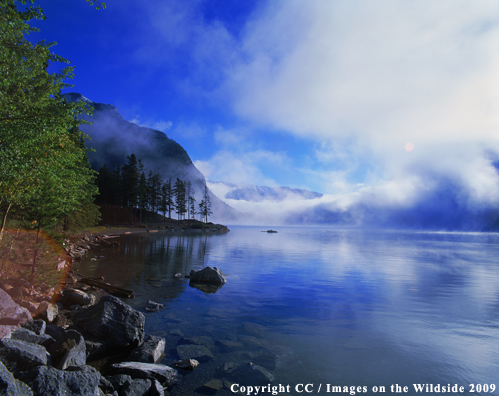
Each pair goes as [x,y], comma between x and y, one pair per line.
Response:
[362,79]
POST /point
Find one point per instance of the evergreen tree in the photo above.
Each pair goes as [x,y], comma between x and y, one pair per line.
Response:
[130,182]
[169,197]
[143,195]
[180,199]
[205,205]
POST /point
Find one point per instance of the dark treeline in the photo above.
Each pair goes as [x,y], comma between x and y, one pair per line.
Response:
[131,186]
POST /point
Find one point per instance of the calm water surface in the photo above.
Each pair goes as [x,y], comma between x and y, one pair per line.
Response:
[333,306]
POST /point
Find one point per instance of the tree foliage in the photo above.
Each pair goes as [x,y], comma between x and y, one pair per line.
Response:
[43,166]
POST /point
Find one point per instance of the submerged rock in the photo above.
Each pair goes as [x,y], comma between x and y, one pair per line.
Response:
[246,373]
[198,352]
[153,306]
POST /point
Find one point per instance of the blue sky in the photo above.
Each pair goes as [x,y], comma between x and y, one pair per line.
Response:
[348,98]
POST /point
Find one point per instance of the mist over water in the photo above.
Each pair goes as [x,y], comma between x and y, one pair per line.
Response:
[333,306]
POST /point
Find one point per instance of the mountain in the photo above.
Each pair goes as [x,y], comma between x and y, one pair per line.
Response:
[253,193]
[114,138]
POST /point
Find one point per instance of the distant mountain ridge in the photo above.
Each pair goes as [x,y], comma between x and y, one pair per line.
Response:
[114,138]
[254,193]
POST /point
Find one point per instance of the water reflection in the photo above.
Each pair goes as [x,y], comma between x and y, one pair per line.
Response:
[323,305]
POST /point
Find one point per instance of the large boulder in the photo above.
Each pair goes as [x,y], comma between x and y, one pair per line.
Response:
[11,314]
[208,275]
[21,355]
[75,381]
[9,386]
[118,324]
[165,375]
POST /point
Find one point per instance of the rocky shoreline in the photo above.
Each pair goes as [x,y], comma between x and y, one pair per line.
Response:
[86,342]
[80,340]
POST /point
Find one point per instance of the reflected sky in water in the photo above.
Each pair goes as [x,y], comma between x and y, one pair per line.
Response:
[347,307]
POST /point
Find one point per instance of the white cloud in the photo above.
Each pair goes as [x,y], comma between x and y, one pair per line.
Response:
[158,125]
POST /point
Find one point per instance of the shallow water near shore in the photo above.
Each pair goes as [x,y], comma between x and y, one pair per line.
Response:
[342,307]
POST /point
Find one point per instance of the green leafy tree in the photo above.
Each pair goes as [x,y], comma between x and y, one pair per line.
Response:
[34,117]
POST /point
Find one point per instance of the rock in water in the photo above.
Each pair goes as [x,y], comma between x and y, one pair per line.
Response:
[164,374]
[113,321]
[153,306]
[209,275]
[11,314]
[187,364]
[151,351]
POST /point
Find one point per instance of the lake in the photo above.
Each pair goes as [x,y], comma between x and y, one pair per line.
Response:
[322,309]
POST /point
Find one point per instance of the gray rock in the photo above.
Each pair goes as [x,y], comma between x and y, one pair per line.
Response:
[9,386]
[11,314]
[21,355]
[49,381]
[136,387]
[37,326]
[118,324]
[208,275]
[151,351]
[69,350]
[23,334]
[164,374]
[156,389]
[106,386]
[198,352]
[187,364]
[153,306]
[95,349]
[118,380]
[76,297]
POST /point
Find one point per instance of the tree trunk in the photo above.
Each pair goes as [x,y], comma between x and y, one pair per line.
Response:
[4,219]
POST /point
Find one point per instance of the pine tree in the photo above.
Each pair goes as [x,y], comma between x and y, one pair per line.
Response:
[180,200]
[143,195]
[205,205]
